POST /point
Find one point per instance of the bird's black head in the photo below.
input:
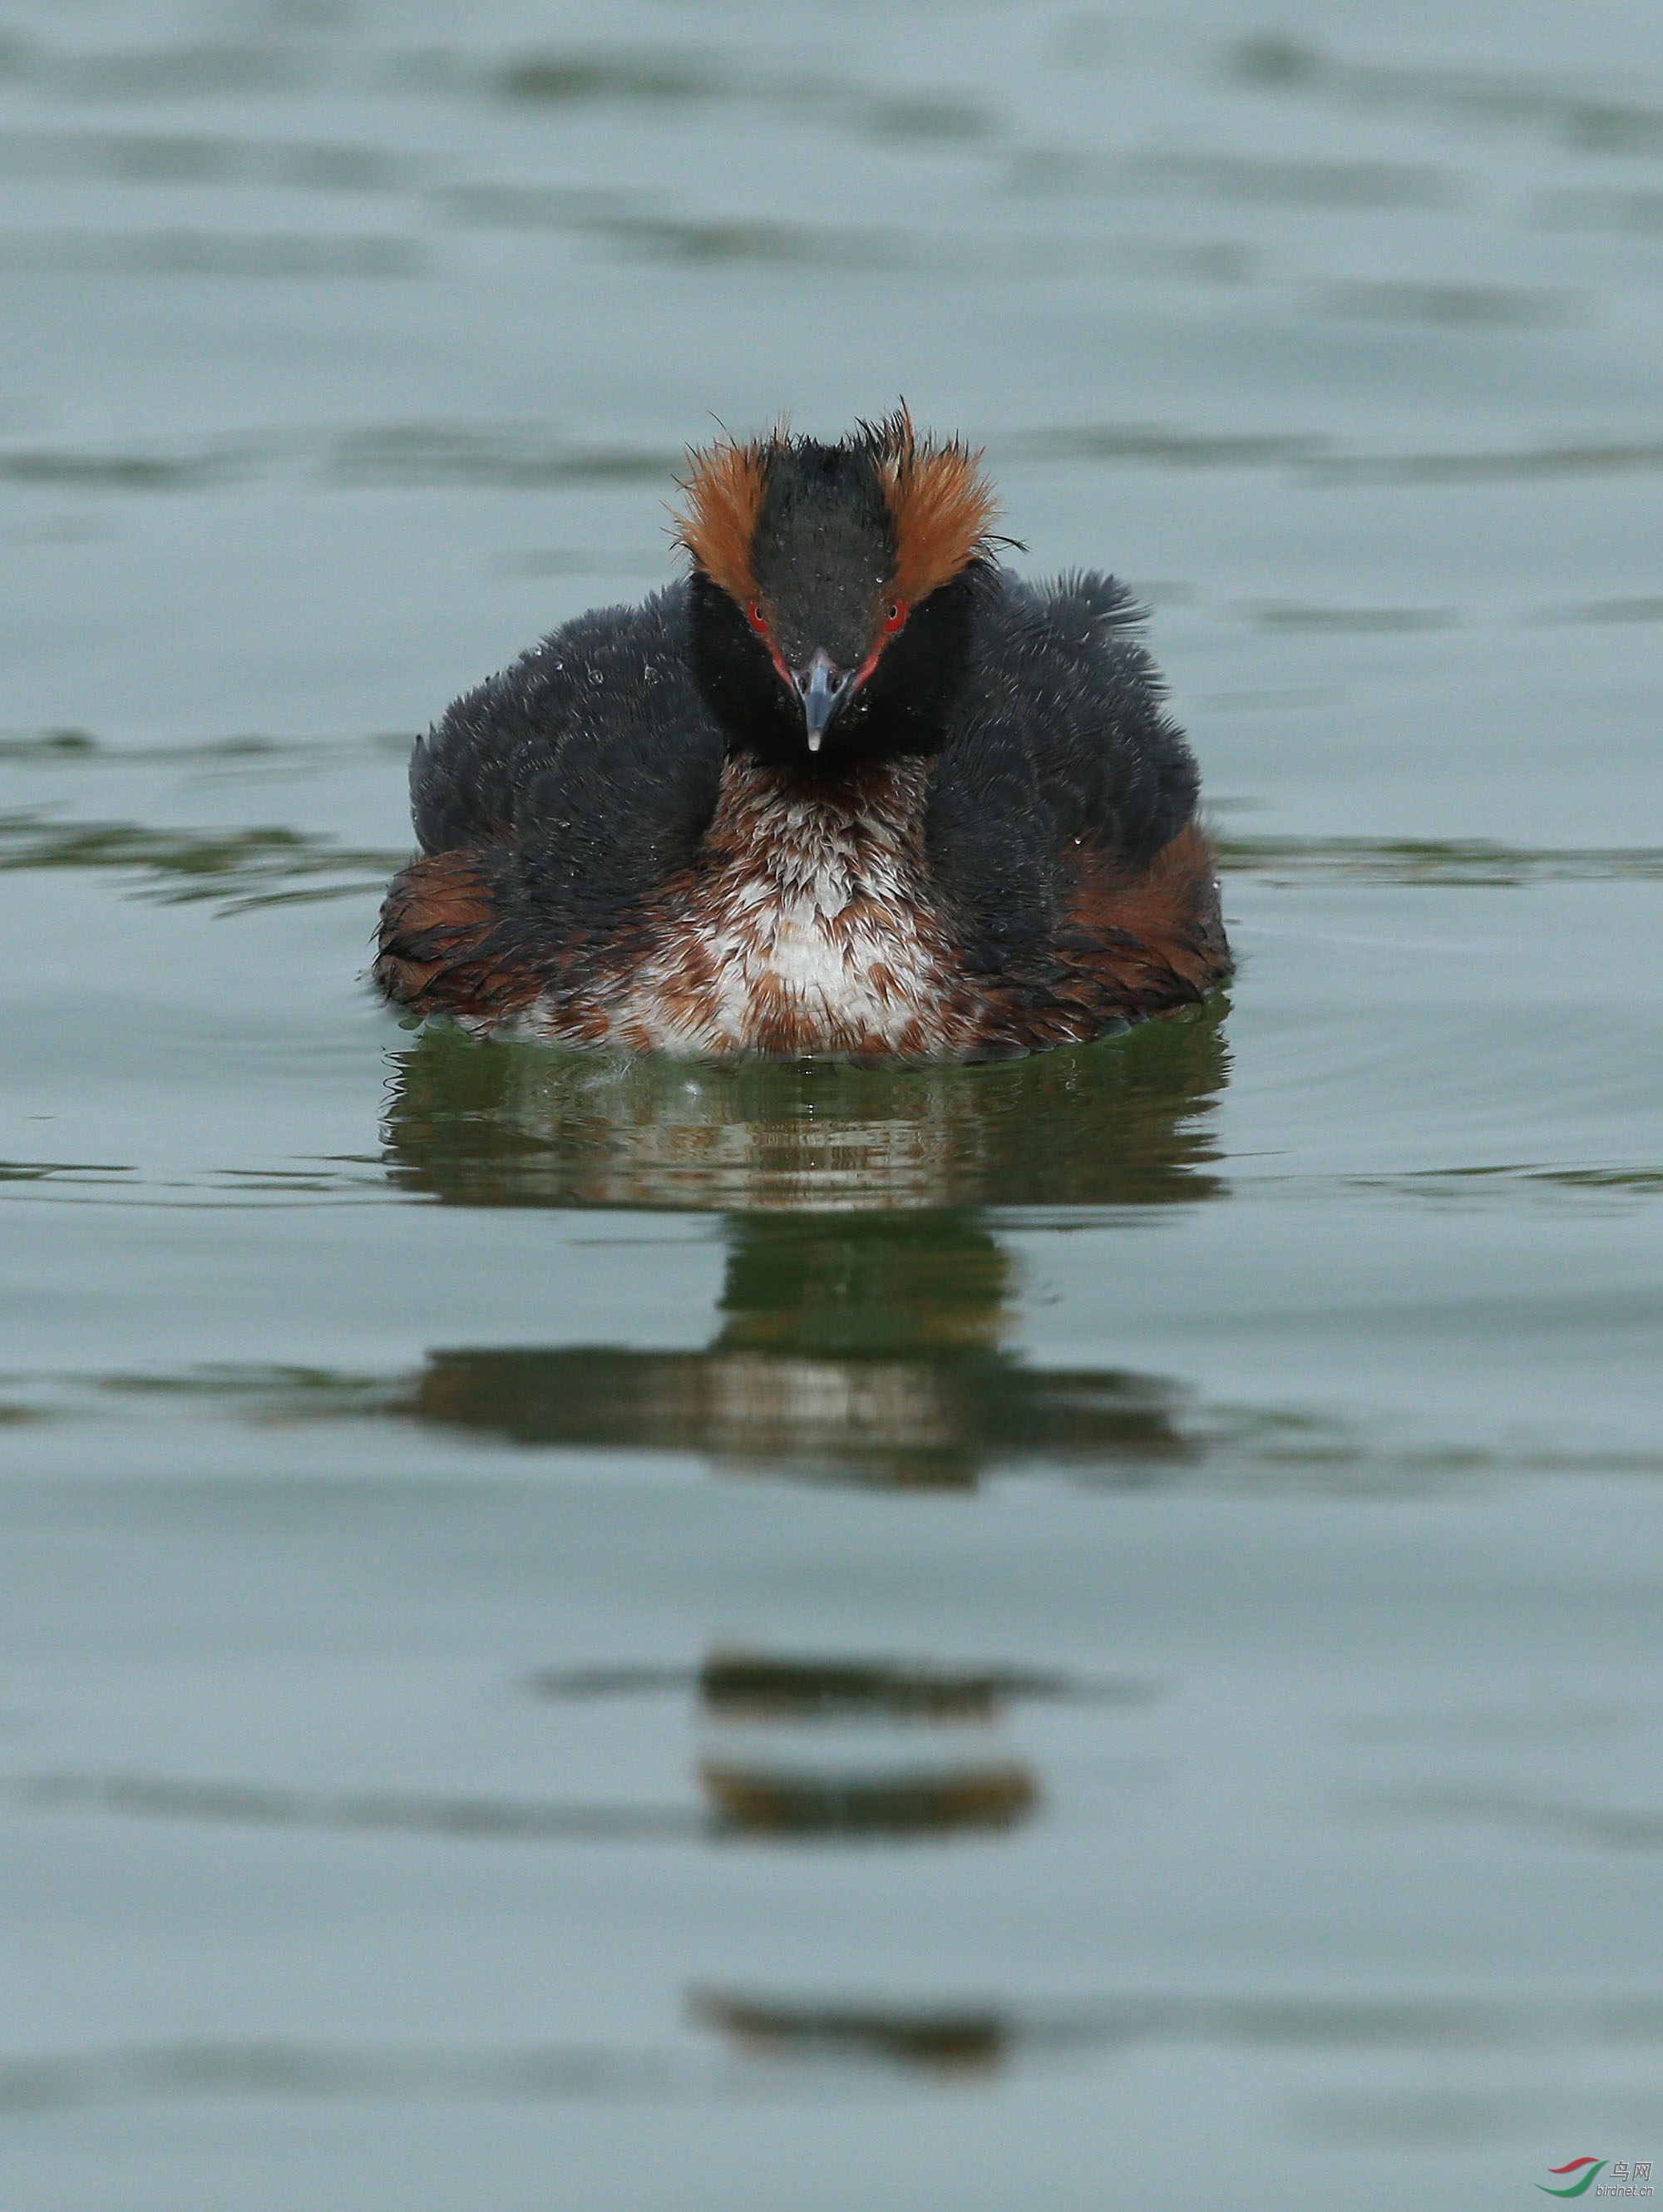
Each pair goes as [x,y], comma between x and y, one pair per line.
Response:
[832,591]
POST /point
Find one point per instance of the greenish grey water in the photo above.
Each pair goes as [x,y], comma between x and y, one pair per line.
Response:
[1081,1633]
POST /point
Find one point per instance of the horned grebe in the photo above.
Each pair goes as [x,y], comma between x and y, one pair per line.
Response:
[851,787]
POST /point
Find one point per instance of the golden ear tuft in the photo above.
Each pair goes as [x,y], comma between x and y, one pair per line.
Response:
[940,503]
[723,487]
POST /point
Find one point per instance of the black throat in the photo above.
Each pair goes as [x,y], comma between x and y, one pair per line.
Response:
[904,706]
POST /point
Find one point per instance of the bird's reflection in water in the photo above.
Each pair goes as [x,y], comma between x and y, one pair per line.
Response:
[846,1749]
[846,1746]
[945,2039]
[866,1294]
[881,1806]
[855,1349]
[767,1686]
[1122,1122]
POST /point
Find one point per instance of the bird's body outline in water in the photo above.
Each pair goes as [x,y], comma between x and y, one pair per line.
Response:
[850,788]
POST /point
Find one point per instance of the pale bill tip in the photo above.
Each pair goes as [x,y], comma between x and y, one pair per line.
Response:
[814,737]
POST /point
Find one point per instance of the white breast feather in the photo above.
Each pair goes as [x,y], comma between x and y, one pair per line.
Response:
[777,927]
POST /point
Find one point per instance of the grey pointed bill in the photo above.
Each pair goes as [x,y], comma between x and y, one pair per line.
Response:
[821,687]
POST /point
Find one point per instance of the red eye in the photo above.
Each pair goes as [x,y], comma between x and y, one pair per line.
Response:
[757,619]
[895,618]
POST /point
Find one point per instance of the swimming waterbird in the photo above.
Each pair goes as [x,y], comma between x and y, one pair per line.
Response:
[850,787]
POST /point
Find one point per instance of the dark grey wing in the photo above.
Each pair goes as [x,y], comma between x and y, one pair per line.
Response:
[1060,753]
[592,760]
